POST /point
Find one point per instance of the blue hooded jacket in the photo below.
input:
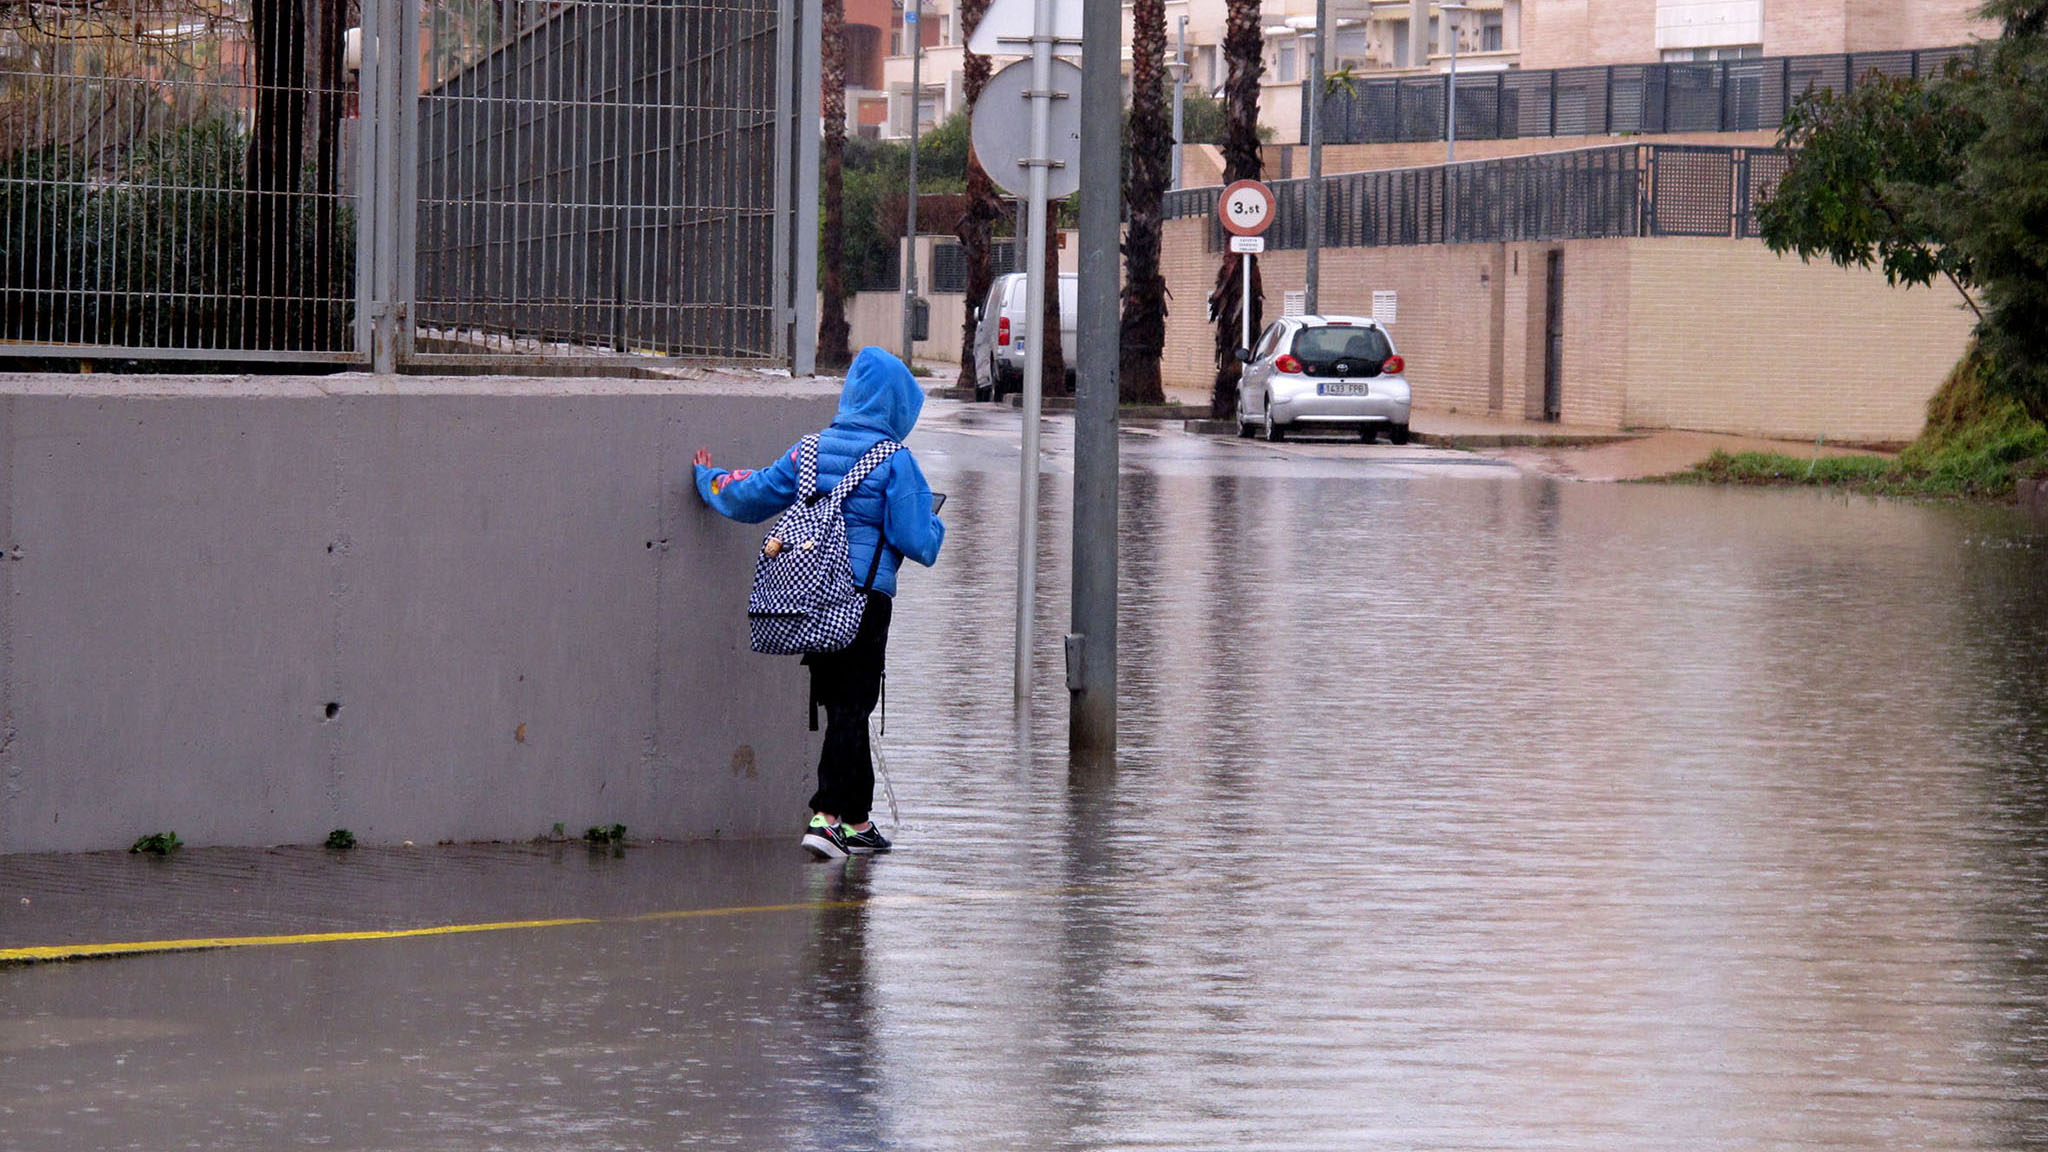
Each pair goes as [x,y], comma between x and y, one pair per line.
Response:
[881,401]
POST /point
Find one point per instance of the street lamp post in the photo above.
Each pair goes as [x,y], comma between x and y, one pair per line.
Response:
[1179,68]
[1451,96]
[916,33]
[1315,161]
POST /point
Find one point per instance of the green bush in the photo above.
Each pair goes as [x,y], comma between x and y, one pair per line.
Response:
[1978,444]
[150,249]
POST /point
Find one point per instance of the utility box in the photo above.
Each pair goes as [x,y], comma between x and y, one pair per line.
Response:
[920,319]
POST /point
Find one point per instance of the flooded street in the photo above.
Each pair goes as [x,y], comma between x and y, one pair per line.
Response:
[1456,809]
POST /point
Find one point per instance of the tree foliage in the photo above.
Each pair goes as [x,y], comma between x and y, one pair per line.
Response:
[1944,177]
[1858,190]
[1997,213]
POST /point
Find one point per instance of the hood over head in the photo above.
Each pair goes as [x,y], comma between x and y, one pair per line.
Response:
[880,395]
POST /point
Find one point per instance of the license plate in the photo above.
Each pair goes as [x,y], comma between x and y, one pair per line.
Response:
[1345,388]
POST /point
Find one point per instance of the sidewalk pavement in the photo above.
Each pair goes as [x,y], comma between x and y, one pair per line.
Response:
[56,906]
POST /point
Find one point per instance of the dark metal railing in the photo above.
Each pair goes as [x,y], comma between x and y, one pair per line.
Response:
[1588,193]
[1702,96]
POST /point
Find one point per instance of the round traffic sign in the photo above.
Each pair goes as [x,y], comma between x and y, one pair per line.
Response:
[1246,208]
[1001,130]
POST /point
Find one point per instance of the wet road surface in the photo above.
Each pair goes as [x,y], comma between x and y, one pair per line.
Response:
[1455,809]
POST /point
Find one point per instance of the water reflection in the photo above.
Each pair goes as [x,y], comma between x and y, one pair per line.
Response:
[1474,813]
[1501,814]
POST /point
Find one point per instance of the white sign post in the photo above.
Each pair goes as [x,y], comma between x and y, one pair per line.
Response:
[1246,208]
[1050,170]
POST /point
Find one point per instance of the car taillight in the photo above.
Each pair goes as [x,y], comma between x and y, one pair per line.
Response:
[1288,365]
[1393,366]
[1003,332]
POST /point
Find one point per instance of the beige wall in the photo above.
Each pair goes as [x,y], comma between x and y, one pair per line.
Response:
[1711,335]
[877,317]
[1756,343]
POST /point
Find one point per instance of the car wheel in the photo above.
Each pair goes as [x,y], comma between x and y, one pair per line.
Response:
[1398,433]
[1369,433]
[1274,432]
[1245,430]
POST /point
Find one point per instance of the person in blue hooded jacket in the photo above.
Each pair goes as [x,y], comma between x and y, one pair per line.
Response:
[889,517]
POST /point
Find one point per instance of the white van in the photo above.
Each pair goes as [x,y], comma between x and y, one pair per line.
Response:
[999,334]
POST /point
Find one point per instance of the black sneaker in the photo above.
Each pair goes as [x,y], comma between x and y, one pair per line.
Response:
[826,842]
[864,843]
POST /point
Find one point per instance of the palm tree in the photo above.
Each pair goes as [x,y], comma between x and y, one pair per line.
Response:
[1241,47]
[833,330]
[1143,325]
[977,223]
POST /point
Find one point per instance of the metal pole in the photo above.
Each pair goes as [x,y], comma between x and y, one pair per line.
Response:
[916,34]
[1034,344]
[369,187]
[1450,30]
[1315,160]
[809,97]
[1180,88]
[408,194]
[1244,322]
[1091,645]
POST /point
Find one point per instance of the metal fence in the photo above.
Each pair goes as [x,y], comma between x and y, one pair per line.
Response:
[171,182]
[1702,96]
[1591,193]
[604,178]
[193,180]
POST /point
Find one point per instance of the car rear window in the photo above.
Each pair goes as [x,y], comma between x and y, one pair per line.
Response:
[1320,350]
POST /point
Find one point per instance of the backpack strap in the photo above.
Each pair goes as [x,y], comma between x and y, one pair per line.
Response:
[806,467]
[862,468]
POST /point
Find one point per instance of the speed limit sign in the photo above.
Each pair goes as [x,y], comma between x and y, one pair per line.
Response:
[1246,208]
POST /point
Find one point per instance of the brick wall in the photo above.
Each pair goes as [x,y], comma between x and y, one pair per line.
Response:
[1755,343]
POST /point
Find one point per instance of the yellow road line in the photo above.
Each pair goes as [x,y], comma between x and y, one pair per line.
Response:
[59,952]
[141,947]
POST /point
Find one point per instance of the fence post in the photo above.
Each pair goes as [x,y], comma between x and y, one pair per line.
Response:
[1607,110]
[1646,190]
[388,189]
[1553,103]
[1724,96]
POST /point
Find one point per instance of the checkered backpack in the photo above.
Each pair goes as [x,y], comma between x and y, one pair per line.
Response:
[804,597]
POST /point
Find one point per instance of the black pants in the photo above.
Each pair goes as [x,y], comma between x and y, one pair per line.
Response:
[847,684]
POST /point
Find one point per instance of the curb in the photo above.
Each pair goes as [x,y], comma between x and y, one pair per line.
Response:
[1468,440]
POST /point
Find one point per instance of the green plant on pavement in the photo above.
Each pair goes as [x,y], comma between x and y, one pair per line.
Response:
[158,844]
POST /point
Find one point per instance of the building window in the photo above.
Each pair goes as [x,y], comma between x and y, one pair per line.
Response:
[1735,52]
[1491,38]
[1285,68]
[1350,48]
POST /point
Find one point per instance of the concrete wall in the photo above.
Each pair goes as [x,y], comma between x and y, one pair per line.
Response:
[252,611]
[1702,334]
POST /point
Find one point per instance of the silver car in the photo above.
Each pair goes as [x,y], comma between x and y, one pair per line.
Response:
[1323,373]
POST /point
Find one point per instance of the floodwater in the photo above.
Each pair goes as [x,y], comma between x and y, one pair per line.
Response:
[1454,809]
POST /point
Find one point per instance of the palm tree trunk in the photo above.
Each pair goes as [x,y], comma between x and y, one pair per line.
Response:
[833,330]
[1241,47]
[1143,324]
[1054,358]
[984,207]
